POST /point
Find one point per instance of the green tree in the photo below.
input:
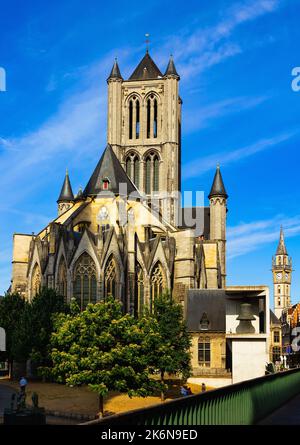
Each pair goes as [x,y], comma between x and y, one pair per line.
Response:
[12,307]
[105,349]
[33,326]
[172,351]
[43,310]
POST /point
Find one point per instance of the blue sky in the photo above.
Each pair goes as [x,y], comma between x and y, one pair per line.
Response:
[235,60]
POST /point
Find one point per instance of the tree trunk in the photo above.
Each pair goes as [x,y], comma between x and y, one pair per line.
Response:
[10,369]
[101,406]
[162,394]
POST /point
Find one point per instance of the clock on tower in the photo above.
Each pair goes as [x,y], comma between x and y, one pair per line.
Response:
[282,270]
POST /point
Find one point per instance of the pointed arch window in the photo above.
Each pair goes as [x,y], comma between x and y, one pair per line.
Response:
[152,117]
[134,118]
[85,282]
[155,119]
[139,289]
[152,168]
[155,173]
[133,168]
[62,279]
[110,279]
[157,283]
[35,280]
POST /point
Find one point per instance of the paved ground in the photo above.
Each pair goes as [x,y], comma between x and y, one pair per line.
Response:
[5,398]
[288,414]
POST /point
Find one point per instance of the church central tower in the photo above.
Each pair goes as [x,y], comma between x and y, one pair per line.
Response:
[144,126]
[282,277]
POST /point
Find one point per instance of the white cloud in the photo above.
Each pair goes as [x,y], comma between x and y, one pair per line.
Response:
[202,117]
[204,164]
[198,50]
[249,237]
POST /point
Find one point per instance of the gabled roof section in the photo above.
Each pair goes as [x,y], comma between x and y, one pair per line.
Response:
[66,194]
[218,188]
[146,69]
[281,249]
[109,169]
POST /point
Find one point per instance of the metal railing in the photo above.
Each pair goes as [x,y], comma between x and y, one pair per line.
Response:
[243,403]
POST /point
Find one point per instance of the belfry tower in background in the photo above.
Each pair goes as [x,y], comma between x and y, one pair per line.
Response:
[282,277]
[144,129]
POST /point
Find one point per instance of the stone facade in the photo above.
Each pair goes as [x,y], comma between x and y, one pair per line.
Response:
[217,348]
[103,242]
[282,277]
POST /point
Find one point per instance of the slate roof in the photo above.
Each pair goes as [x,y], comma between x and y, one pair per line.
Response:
[273,318]
[171,70]
[218,188]
[115,71]
[109,168]
[66,193]
[281,249]
[203,216]
[209,301]
[146,69]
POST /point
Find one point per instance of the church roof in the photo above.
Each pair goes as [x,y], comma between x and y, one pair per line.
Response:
[211,302]
[171,70]
[146,69]
[66,193]
[110,169]
[115,71]
[273,319]
[281,249]
[193,214]
[218,188]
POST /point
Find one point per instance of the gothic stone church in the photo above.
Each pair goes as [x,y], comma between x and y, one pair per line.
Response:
[90,250]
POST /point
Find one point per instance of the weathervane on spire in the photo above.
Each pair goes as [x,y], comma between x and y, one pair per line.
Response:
[147,41]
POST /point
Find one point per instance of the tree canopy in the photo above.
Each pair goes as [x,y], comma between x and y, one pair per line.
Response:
[172,352]
[105,349]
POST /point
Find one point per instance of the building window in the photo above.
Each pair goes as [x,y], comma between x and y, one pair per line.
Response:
[156,283]
[204,351]
[134,118]
[276,354]
[137,123]
[62,279]
[155,119]
[133,168]
[35,280]
[110,275]
[152,173]
[204,322]
[276,336]
[139,289]
[105,184]
[85,282]
[152,117]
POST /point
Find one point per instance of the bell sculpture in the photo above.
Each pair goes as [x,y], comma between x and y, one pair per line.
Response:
[245,318]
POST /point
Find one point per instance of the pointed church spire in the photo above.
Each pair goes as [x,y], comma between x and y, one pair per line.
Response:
[171,70]
[281,249]
[66,194]
[115,71]
[146,69]
[218,188]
